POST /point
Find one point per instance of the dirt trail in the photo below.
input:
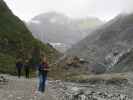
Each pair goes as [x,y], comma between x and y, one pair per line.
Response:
[22,89]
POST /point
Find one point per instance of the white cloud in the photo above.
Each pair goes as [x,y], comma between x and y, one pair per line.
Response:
[104,9]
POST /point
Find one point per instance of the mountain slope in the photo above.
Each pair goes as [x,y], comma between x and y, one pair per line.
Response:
[54,27]
[17,41]
[112,41]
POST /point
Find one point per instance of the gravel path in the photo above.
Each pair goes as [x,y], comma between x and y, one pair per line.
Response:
[22,89]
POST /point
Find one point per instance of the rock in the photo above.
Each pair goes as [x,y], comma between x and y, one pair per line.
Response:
[82,97]
[19,98]
[123,97]
[10,96]
[3,80]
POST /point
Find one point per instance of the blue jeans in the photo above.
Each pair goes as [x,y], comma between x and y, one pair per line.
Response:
[42,81]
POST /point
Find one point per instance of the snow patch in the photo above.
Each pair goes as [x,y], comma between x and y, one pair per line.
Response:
[35,21]
[57,44]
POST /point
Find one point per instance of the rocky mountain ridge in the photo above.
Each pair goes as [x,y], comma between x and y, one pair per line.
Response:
[113,38]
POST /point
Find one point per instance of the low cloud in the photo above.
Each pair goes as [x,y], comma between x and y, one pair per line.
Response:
[103,9]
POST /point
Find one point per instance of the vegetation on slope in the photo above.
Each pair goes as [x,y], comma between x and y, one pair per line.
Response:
[17,41]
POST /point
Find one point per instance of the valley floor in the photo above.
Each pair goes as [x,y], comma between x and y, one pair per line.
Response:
[24,89]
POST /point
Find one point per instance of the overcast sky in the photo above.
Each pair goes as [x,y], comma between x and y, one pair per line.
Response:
[103,9]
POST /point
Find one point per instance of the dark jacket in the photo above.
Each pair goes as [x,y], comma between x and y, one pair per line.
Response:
[19,65]
[26,66]
[43,68]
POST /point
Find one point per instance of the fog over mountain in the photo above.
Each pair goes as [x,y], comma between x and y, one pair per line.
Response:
[60,30]
[75,9]
[103,9]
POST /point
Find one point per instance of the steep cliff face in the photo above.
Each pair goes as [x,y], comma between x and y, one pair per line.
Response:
[16,40]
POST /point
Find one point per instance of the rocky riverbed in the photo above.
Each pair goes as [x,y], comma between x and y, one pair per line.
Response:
[96,91]
[71,91]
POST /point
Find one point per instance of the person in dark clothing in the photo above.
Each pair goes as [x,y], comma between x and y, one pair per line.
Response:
[19,66]
[27,68]
[42,74]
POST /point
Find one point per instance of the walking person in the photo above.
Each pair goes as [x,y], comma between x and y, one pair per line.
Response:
[42,74]
[19,66]
[27,68]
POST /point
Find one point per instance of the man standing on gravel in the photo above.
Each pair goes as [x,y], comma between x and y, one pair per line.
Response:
[27,68]
[19,66]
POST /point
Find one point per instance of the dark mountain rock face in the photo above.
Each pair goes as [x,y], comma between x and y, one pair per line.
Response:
[115,36]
